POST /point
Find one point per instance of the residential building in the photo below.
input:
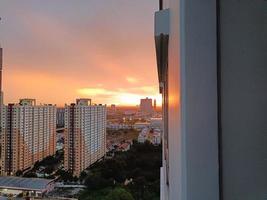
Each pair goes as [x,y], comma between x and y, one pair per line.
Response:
[28,135]
[1,87]
[153,136]
[141,125]
[211,59]
[85,135]
[124,147]
[146,106]
[1,67]
[143,135]
[113,108]
[60,117]
[156,123]
[118,126]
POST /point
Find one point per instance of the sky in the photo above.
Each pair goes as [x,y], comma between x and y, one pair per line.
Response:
[58,50]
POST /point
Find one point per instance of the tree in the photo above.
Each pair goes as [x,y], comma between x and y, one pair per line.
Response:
[30,175]
[49,169]
[19,173]
[36,165]
[75,179]
[119,194]
[83,175]
[96,182]
[65,175]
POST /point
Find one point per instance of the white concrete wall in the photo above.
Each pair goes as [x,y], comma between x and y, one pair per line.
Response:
[193,150]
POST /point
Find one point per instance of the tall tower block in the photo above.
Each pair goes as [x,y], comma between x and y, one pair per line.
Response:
[1,68]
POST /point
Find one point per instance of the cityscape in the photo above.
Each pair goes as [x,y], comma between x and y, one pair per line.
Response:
[133,100]
[74,137]
[47,151]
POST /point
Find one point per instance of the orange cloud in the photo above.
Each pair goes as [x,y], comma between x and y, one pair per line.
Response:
[131,80]
[56,57]
[131,96]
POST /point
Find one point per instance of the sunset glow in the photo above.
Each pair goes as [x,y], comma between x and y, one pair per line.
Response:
[56,52]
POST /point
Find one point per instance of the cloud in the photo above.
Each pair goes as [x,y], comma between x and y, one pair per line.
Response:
[95,92]
[129,96]
[131,80]
[55,50]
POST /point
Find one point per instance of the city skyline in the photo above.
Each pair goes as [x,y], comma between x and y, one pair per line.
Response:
[57,52]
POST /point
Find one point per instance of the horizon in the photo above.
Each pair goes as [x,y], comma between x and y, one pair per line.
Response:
[56,52]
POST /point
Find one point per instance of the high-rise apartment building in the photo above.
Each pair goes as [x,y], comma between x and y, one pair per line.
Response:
[27,135]
[60,117]
[1,87]
[1,68]
[212,59]
[113,108]
[85,137]
[146,106]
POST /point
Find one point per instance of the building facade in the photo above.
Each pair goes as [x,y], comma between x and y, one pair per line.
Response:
[1,68]
[60,117]
[146,106]
[85,135]
[28,135]
[1,87]
[211,59]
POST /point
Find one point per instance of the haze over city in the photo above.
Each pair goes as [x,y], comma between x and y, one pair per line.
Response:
[56,51]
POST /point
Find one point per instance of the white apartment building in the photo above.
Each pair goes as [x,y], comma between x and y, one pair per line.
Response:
[85,138]
[212,59]
[143,135]
[1,69]
[28,135]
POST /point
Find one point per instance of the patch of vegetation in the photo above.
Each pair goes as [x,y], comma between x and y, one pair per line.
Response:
[50,161]
[49,164]
[117,193]
[136,172]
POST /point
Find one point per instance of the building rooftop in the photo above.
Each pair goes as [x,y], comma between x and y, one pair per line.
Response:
[9,182]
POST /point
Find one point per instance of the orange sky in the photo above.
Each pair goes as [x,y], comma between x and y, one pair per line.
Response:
[56,51]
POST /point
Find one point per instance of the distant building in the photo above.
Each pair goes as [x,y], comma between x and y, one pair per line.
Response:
[146,106]
[141,125]
[118,126]
[113,107]
[143,135]
[112,110]
[155,104]
[60,117]
[85,137]
[148,135]
[156,123]
[124,147]
[129,112]
[155,137]
[28,135]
